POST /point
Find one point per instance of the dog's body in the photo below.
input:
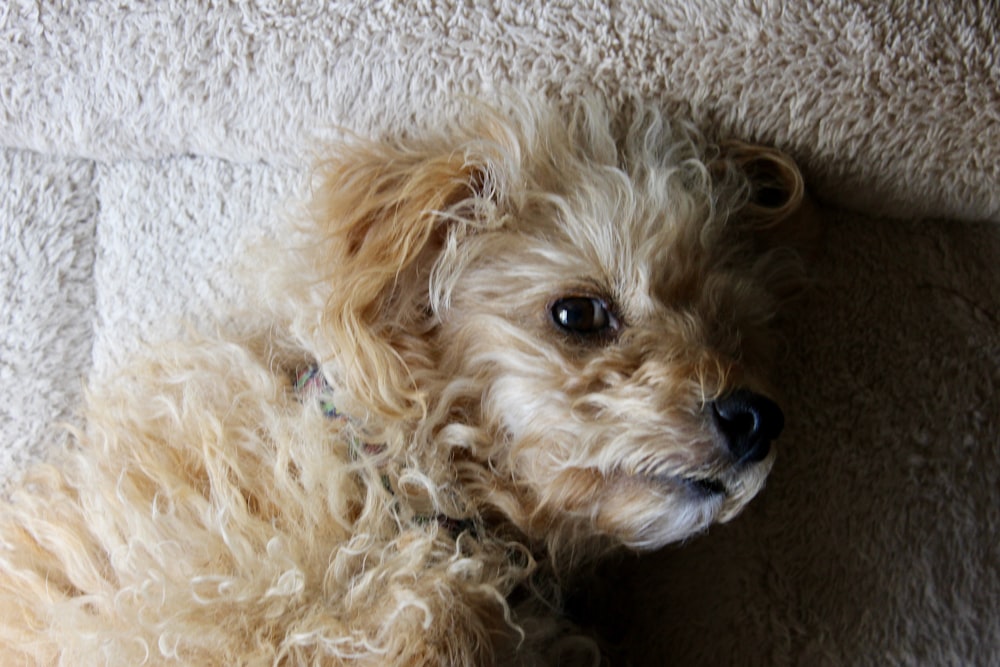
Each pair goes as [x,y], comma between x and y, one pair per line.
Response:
[494,351]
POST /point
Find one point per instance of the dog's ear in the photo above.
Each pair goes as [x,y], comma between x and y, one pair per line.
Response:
[383,212]
[777,207]
[776,213]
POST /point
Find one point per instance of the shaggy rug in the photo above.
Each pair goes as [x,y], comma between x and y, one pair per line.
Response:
[142,144]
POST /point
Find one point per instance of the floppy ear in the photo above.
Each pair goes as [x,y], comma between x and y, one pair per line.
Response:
[777,207]
[382,213]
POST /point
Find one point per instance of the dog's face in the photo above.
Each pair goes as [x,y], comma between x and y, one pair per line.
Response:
[576,323]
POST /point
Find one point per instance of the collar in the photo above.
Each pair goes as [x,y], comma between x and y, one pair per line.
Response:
[310,382]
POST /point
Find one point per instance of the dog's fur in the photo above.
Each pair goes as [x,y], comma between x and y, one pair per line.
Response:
[209,513]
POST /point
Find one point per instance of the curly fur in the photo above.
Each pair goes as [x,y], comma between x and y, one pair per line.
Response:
[209,514]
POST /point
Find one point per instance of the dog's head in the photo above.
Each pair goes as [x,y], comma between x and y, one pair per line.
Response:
[570,322]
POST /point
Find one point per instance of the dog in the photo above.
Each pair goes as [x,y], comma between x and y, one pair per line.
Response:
[493,353]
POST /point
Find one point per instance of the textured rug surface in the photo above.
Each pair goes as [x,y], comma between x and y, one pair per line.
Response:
[143,144]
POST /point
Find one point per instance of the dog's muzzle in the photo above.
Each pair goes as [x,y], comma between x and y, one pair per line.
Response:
[748,423]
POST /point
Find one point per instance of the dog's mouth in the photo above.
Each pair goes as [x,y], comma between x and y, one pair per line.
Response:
[706,487]
[700,487]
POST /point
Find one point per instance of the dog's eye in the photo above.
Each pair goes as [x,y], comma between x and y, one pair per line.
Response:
[585,316]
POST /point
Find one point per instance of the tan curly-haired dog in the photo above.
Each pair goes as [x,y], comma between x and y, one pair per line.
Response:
[496,352]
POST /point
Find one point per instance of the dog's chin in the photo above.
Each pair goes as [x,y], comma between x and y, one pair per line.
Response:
[677,507]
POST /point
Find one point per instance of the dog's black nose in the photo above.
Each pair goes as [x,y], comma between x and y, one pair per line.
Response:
[748,422]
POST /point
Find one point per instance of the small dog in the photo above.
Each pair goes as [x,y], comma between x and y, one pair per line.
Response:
[494,353]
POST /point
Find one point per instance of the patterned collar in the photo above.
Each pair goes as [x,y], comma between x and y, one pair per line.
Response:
[310,381]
